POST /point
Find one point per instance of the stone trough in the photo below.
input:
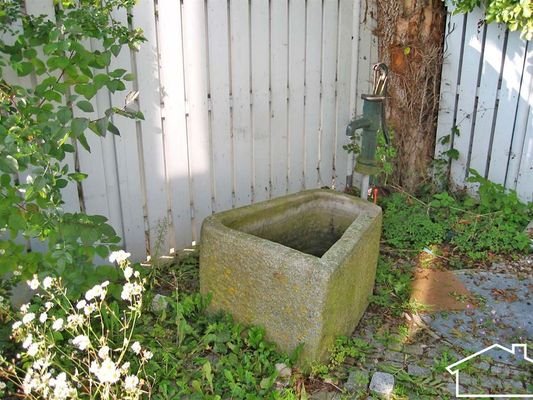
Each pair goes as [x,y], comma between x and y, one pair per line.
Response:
[302,266]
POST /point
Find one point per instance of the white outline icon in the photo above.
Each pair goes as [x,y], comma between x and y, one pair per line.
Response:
[450,369]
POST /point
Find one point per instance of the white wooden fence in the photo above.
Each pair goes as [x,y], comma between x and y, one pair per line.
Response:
[243,100]
[487,103]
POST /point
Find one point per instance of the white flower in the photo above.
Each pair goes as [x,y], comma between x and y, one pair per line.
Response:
[136,274]
[28,318]
[89,308]
[62,389]
[103,353]
[48,305]
[107,372]
[95,291]
[33,349]
[119,256]
[2,385]
[125,367]
[129,290]
[28,341]
[43,317]
[81,342]
[136,347]
[16,325]
[24,308]
[130,383]
[128,272]
[104,284]
[47,282]
[75,320]
[147,354]
[34,283]
[58,324]
[81,304]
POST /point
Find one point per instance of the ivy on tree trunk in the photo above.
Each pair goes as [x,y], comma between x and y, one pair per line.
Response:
[411,37]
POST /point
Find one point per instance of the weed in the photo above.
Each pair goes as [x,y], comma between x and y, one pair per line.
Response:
[474,229]
[393,287]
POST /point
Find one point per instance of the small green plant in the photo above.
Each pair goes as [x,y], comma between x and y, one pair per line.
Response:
[407,223]
[475,228]
[393,287]
[385,154]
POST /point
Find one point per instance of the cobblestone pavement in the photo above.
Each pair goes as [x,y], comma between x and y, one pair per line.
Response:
[502,313]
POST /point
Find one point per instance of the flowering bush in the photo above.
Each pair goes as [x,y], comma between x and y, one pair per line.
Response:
[83,349]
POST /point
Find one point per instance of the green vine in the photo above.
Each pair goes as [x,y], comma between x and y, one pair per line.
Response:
[516,14]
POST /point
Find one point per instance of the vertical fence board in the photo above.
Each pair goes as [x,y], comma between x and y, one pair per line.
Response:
[278,82]
[521,119]
[508,100]
[240,74]
[524,185]
[488,90]
[194,20]
[260,44]
[343,90]
[449,83]
[356,15]
[312,91]
[219,79]
[296,94]
[467,97]
[329,72]
[128,164]
[153,156]
[174,123]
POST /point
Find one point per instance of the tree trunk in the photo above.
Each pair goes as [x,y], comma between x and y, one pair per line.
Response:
[411,37]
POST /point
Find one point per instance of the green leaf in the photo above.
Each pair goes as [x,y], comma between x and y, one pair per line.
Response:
[117,73]
[113,129]
[52,96]
[16,222]
[77,176]
[86,106]
[64,115]
[78,126]
[83,141]
[9,164]
[24,68]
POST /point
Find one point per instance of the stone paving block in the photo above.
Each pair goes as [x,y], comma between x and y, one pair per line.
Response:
[394,356]
[382,384]
[416,370]
[414,349]
[357,380]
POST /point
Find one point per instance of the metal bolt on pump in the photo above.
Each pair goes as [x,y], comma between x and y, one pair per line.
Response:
[371,122]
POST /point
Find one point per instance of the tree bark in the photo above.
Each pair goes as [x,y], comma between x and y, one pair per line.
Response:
[411,38]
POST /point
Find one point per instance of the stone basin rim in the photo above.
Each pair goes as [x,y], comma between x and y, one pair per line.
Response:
[338,251]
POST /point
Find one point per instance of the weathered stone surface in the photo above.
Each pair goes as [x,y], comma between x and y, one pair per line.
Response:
[303,266]
[382,384]
[357,380]
[416,370]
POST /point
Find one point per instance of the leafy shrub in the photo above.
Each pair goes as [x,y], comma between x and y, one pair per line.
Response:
[516,14]
[38,130]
